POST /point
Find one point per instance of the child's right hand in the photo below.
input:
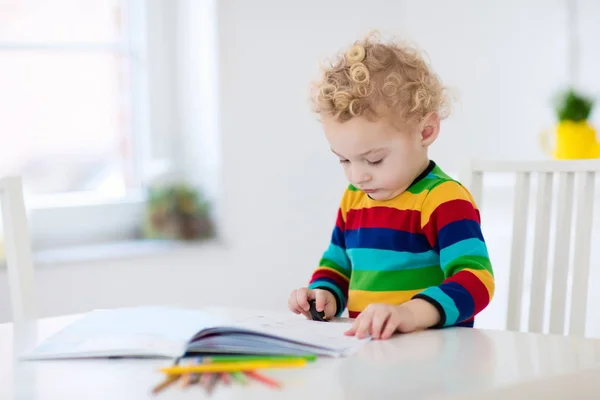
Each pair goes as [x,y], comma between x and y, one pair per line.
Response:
[324,301]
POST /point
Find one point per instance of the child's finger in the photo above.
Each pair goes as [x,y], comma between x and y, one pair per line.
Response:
[294,306]
[352,330]
[390,328]
[301,311]
[330,308]
[320,299]
[302,299]
[379,320]
[364,326]
[292,303]
[305,313]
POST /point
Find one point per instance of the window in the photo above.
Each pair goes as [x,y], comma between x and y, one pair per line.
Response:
[68,79]
[74,118]
[97,97]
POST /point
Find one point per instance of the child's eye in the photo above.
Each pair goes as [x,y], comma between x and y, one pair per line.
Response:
[344,161]
[375,162]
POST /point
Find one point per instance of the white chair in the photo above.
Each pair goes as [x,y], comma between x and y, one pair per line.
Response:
[17,249]
[569,197]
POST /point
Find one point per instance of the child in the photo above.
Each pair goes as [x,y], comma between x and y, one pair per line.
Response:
[407,251]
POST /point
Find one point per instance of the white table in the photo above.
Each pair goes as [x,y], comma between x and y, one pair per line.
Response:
[459,363]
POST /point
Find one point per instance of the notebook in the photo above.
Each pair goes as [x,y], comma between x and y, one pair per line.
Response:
[170,332]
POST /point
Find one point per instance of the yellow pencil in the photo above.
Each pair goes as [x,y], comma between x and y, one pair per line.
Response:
[232,367]
[186,379]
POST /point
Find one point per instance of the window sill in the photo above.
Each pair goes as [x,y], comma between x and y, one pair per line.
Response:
[116,251]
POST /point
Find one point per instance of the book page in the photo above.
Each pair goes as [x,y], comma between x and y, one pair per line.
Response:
[328,334]
[152,331]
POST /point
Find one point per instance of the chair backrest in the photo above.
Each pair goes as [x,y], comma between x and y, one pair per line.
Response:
[17,246]
[572,200]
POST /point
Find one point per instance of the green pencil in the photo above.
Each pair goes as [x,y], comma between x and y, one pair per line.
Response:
[243,358]
[239,377]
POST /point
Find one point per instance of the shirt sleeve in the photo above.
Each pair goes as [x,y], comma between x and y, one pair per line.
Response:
[334,270]
[451,222]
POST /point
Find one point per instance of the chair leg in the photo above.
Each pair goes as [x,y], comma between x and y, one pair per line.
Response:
[18,250]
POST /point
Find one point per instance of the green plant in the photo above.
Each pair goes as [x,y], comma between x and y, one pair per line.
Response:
[573,106]
[177,211]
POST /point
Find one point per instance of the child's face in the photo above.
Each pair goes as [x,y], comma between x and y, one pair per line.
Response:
[379,158]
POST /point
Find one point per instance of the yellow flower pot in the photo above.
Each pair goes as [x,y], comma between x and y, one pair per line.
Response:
[571,140]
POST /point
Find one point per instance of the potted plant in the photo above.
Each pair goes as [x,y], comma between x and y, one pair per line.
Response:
[574,137]
[176,211]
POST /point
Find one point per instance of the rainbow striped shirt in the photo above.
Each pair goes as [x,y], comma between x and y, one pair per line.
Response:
[424,243]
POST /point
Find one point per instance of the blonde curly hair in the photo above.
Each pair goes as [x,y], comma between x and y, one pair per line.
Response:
[375,79]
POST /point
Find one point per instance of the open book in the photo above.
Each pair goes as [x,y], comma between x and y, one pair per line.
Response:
[168,332]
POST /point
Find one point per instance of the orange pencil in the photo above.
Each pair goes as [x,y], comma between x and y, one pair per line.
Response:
[164,384]
[264,379]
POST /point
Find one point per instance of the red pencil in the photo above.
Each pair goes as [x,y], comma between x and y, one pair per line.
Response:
[262,378]
[225,378]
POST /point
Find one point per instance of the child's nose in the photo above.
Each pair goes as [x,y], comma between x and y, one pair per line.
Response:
[361,178]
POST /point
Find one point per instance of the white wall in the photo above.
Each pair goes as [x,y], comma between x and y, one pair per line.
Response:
[281,184]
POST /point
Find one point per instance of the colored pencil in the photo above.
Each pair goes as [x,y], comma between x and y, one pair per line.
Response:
[196,377]
[258,358]
[186,379]
[239,377]
[164,384]
[204,380]
[230,367]
[191,378]
[226,378]
[264,379]
[212,381]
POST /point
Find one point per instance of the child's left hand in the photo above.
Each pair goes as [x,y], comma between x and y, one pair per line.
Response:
[382,321]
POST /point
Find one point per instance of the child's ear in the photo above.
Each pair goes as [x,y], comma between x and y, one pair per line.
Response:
[430,128]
